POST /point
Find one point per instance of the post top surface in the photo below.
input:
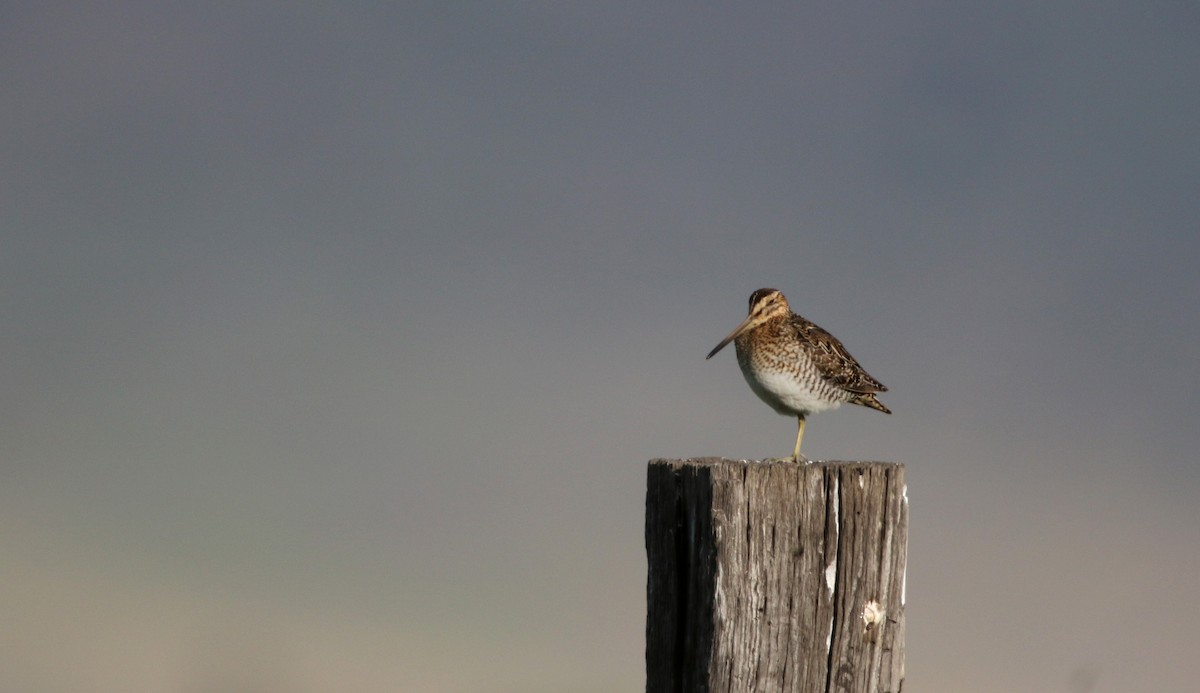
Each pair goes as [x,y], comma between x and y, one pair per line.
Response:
[774,461]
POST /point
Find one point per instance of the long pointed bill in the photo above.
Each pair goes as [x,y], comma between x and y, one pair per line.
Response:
[732,336]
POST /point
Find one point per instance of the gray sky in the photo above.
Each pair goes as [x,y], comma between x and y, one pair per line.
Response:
[336,339]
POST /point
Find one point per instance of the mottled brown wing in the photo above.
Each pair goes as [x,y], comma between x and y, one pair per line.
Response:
[836,364]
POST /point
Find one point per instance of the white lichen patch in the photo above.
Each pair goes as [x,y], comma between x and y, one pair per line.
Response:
[873,614]
[831,569]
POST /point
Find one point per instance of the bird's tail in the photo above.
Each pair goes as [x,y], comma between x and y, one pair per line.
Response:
[867,399]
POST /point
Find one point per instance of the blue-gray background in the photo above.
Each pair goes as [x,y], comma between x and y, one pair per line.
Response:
[335,338]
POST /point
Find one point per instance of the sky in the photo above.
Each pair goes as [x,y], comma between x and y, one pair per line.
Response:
[336,337]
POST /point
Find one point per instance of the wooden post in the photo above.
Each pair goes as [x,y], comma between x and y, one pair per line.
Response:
[775,576]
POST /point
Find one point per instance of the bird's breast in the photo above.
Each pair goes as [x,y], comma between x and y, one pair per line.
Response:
[788,382]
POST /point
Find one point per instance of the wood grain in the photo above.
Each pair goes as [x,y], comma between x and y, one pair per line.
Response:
[775,576]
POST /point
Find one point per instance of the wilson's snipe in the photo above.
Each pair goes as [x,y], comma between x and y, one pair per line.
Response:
[795,366]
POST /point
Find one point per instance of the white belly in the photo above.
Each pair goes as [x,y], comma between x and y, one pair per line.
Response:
[784,393]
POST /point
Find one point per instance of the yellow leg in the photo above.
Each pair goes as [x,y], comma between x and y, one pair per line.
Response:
[799,437]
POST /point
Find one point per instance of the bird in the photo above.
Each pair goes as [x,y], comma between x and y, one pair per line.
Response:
[796,367]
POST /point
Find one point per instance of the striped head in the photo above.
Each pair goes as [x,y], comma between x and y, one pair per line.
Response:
[765,305]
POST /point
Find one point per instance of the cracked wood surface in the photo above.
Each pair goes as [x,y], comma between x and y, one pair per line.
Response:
[774,576]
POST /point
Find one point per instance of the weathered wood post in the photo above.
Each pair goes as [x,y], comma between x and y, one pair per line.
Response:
[775,577]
